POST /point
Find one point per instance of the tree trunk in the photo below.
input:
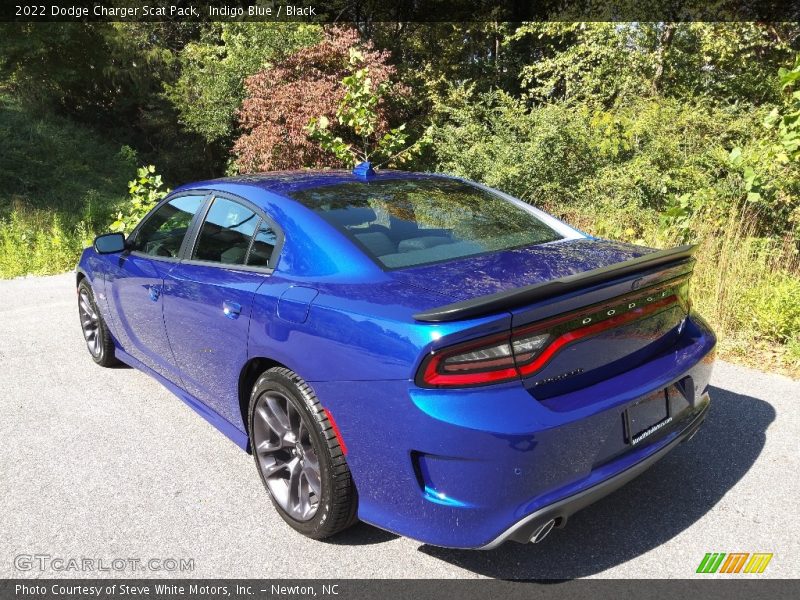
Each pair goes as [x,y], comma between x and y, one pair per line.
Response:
[664,42]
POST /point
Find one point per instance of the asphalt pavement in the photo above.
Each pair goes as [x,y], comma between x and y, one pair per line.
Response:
[106,465]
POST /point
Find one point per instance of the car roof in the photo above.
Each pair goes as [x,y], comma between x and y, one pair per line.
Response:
[285,183]
[320,249]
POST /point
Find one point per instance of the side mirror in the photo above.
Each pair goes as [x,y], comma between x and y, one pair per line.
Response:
[109,243]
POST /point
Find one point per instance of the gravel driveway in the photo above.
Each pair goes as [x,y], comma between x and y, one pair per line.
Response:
[105,463]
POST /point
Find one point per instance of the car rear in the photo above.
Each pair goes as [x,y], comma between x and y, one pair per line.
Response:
[613,375]
[552,371]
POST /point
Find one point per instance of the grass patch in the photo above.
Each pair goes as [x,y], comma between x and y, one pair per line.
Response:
[59,185]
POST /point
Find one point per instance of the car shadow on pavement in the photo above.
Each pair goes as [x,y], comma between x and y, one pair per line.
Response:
[649,511]
[361,534]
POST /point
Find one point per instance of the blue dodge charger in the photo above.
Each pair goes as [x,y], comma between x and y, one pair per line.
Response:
[416,351]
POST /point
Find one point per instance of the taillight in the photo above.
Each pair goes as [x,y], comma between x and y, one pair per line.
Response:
[526,350]
[475,363]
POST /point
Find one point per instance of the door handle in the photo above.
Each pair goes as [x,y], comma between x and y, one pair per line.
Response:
[155,292]
[231,309]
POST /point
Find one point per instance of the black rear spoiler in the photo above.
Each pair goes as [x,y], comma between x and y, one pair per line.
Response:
[484,305]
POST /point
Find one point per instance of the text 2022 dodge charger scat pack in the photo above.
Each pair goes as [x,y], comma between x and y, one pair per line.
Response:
[416,351]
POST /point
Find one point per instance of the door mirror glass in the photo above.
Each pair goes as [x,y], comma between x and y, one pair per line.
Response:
[109,243]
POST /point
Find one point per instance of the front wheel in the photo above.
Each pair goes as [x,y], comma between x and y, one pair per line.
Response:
[95,332]
[299,457]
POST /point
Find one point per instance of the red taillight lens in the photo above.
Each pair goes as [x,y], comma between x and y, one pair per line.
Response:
[523,352]
[487,361]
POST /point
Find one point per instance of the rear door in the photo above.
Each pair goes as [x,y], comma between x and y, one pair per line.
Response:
[134,284]
[208,299]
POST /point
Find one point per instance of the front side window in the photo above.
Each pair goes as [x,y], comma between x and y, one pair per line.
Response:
[163,232]
[226,233]
[409,222]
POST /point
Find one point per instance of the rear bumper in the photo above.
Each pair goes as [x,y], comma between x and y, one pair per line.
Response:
[560,511]
[474,467]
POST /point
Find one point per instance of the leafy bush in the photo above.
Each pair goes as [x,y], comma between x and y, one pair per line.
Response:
[358,118]
[681,163]
[39,243]
[59,185]
[282,100]
[144,193]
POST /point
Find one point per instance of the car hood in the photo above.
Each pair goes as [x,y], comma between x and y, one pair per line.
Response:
[475,276]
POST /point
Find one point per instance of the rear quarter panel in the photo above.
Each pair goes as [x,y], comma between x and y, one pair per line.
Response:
[354,331]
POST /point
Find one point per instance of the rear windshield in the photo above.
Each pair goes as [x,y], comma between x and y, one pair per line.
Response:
[409,222]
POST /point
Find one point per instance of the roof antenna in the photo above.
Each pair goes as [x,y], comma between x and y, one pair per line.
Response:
[364,170]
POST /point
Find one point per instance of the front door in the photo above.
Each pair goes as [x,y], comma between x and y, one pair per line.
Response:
[135,284]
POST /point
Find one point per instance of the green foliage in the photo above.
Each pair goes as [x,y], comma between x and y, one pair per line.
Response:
[678,162]
[358,115]
[210,87]
[59,184]
[615,62]
[774,308]
[39,243]
[144,193]
[787,121]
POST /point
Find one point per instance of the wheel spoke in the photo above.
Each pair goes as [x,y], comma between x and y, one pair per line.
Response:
[271,465]
[275,415]
[87,307]
[312,476]
[304,505]
[295,474]
[269,446]
[310,459]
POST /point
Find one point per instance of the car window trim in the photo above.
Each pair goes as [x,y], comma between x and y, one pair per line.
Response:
[173,259]
[227,266]
[194,233]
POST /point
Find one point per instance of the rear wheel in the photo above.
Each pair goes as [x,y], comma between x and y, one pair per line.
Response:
[98,339]
[299,457]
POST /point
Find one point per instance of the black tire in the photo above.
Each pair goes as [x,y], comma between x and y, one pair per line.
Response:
[99,344]
[337,502]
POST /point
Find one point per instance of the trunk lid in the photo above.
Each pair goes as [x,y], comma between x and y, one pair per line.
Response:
[482,275]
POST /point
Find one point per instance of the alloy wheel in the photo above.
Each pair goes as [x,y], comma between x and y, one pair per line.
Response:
[286,456]
[90,323]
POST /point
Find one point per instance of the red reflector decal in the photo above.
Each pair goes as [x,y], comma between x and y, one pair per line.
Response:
[336,431]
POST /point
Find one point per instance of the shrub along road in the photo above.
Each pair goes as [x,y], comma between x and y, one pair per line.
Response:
[106,463]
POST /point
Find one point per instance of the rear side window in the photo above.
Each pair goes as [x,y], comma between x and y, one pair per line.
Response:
[226,233]
[410,222]
[163,232]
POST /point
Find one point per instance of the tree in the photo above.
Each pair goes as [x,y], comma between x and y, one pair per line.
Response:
[357,119]
[282,100]
[213,70]
[614,63]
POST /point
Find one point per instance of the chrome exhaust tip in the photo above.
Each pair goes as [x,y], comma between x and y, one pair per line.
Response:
[542,531]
